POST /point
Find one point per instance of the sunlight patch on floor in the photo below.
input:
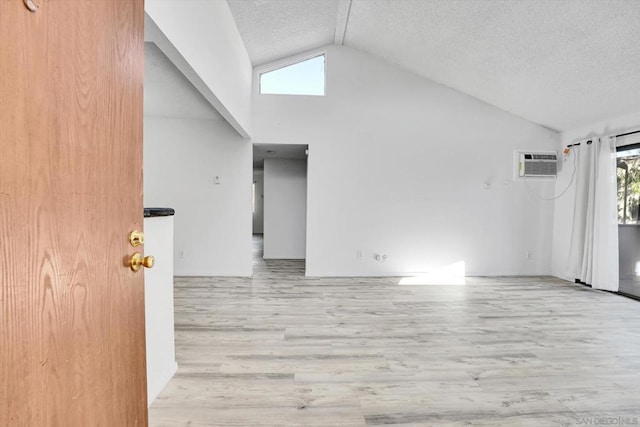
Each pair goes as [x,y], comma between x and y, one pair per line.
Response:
[450,275]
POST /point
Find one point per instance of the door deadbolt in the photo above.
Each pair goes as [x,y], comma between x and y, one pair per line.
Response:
[136,238]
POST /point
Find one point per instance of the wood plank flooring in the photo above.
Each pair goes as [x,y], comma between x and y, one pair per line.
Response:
[284,350]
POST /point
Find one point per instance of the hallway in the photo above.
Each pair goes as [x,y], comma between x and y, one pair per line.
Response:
[280,349]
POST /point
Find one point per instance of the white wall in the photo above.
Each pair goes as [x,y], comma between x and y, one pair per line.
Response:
[397,166]
[158,305]
[285,208]
[182,157]
[202,40]
[258,213]
[564,205]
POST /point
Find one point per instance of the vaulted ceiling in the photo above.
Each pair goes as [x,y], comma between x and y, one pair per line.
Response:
[559,63]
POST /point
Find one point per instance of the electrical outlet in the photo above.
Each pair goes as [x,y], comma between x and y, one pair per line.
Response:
[529,255]
[380,258]
[181,254]
[359,254]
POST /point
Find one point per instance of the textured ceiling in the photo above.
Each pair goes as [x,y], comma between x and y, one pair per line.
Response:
[274,29]
[168,93]
[559,63]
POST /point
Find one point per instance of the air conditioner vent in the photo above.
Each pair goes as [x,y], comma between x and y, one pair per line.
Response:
[538,164]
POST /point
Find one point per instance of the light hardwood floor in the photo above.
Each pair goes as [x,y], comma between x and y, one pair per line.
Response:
[284,350]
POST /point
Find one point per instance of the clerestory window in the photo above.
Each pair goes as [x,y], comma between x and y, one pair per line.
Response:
[302,78]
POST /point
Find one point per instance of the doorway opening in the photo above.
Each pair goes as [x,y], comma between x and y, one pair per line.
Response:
[280,201]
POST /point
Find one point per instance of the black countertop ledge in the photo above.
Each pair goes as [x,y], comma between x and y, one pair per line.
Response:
[150,212]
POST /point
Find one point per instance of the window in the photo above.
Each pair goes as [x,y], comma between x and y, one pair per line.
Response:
[628,172]
[303,78]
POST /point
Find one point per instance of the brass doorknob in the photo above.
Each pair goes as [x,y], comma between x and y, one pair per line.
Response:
[137,261]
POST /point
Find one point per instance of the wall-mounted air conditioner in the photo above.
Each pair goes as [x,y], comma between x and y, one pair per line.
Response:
[537,164]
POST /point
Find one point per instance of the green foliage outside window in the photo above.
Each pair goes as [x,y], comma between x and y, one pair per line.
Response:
[628,172]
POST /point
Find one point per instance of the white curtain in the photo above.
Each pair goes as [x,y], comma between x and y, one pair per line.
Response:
[593,254]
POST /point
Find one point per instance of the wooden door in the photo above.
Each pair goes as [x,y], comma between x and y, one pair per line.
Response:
[72,343]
